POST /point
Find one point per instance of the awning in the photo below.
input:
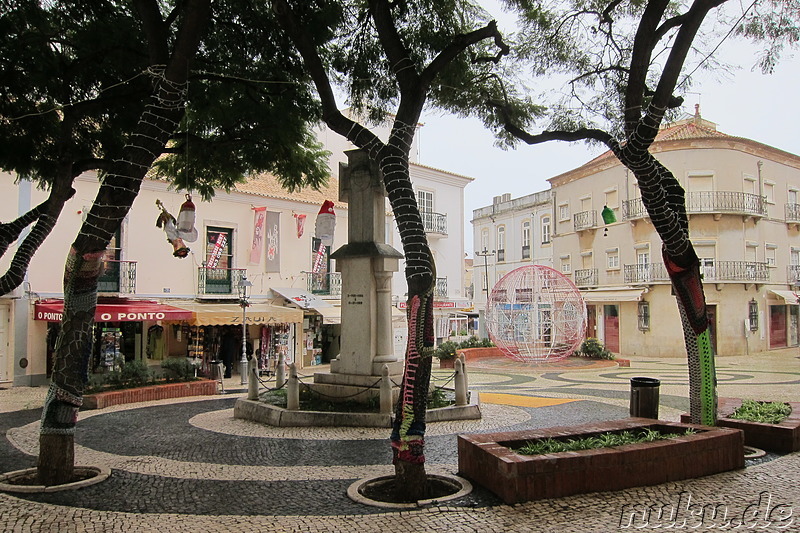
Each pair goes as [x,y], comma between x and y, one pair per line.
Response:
[302,299]
[123,311]
[258,313]
[330,315]
[611,295]
[789,297]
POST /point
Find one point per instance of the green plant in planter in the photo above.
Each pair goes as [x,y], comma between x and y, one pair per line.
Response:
[592,348]
[764,412]
[178,369]
[602,440]
[446,350]
[130,374]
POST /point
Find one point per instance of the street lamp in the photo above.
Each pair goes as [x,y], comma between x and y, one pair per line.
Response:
[485,254]
[244,293]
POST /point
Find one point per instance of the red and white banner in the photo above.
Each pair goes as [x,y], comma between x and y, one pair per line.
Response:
[259,214]
[273,263]
[300,222]
[216,252]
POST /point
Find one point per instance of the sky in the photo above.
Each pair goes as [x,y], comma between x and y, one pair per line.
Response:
[746,104]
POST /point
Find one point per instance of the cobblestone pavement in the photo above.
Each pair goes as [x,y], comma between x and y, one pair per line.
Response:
[188,465]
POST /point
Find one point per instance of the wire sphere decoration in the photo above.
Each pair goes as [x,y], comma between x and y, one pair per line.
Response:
[535,314]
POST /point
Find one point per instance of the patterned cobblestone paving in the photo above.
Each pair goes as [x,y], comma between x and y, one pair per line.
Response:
[187,465]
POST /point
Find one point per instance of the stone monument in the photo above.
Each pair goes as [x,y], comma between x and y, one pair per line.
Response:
[367,264]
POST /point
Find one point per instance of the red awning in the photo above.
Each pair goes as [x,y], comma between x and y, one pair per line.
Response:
[125,311]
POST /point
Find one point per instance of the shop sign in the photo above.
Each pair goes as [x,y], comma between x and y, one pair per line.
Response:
[437,304]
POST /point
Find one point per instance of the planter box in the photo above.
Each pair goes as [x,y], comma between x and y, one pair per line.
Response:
[783,437]
[488,460]
[201,387]
[447,363]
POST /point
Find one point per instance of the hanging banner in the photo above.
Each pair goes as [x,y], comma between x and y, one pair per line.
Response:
[300,222]
[259,214]
[216,252]
[273,221]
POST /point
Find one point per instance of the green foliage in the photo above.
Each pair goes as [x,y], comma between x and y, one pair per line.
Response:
[178,369]
[603,440]
[764,412]
[447,350]
[130,374]
[592,348]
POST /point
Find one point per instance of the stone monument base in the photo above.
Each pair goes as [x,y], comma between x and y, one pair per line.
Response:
[337,386]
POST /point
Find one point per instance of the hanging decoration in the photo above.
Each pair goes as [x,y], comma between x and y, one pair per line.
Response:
[323,230]
[186,218]
[216,252]
[167,221]
[259,215]
[300,222]
[273,262]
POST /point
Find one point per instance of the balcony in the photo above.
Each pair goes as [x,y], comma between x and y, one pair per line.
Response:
[435,224]
[218,281]
[792,213]
[746,271]
[327,284]
[441,288]
[793,275]
[707,202]
[584,220]
[586,277]
[118,277]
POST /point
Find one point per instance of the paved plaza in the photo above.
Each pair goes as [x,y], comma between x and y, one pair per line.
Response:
[188,465]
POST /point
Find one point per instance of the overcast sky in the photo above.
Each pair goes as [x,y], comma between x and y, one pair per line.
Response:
[749,104]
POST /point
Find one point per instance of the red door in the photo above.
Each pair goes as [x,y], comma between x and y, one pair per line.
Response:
[611,327]
[777,326]
[591,321]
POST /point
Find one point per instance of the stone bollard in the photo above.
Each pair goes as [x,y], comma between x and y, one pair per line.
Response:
[461,383]
[252,385]
[293,390]
[280,372]
[386,391]
[463,358]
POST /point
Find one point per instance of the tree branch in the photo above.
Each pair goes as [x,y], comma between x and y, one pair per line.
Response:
[404,69]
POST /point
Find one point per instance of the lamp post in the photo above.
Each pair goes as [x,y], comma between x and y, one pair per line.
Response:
[485,254]
[244,293]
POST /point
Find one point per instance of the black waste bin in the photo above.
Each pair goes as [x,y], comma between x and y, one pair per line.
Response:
[644,397]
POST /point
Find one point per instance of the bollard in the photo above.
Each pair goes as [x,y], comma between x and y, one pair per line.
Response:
[461,383]
[644,397]
[252,385]
[463,358]
[386,391]
[293,390]
[280,372]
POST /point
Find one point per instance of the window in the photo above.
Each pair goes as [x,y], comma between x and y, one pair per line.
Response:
[563,212]
[612,260]
[769,192]
[526,239]
[706,252]
[701,182]
[612,199]
[501,243]
[425,201]
[643,314]
[545,230]
[566,266]
[643,263]
[770,254]
[218,260]
[792,196]
[484,239]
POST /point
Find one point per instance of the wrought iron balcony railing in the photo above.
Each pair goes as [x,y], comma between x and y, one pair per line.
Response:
[118,277]
[586,277]
[716,271]
[712,202]
[434,223]
[792,213]
[793,275]
[584,220]
[326,284]
[441,287]
[219,281]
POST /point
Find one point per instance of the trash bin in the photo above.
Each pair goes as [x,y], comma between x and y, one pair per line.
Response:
[218,371]
[644,397]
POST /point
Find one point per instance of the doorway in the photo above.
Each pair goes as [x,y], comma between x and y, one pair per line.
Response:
[611,327]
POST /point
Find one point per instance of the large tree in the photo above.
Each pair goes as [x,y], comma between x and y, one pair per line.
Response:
[398,57]
[627,64]
[78,112]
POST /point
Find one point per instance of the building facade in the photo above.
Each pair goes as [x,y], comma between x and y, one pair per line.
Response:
[742,203]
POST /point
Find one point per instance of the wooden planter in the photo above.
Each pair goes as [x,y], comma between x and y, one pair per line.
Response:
[783,437]
[201,387]
[488,460]
[447,363]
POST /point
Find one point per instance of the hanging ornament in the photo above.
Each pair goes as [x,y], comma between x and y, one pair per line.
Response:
[323,230]
[186,218]
[168,222]
[300,222]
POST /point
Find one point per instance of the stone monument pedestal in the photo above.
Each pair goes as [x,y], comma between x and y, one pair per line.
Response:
[367,264]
